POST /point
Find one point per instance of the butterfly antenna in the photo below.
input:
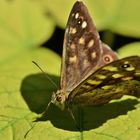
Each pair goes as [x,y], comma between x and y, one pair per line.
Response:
[29,130]
[35,122]
[48,78]
[45,74]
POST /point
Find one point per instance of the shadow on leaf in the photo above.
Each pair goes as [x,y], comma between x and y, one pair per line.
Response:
[37,91]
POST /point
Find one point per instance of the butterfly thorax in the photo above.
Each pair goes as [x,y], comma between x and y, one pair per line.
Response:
[59,98]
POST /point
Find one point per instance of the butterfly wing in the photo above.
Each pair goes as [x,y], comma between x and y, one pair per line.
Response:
[112,81]
[82,48]
[108,55]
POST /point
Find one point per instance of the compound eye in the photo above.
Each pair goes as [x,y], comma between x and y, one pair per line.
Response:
[58,98]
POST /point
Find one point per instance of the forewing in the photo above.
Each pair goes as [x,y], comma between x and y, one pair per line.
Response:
[81,50]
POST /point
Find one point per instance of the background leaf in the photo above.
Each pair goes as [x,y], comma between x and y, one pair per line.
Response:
[119,16]
[129,49]
[23,28]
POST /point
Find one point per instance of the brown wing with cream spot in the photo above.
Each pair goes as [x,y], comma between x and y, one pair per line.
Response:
[81,49]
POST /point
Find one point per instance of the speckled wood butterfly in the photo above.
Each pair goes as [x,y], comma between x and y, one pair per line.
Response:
[91,73]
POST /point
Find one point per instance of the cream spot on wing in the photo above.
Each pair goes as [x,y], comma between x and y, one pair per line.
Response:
[110,68]
[82,41]
[130,68]
[73,14]
[76,15]
[126,78]
[93,82]
[93,55]
[137,72]
[90,43]
[84,24]
[106,87]
[100,76]
[85,86]
[72,46]
[85,62]
[73,59]
[126,62]
[79,22]
[72,30]
[117,75]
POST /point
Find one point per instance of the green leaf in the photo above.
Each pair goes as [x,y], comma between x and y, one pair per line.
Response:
[119,16]
[129,49]
[127,19]
[23,24]
[59,10]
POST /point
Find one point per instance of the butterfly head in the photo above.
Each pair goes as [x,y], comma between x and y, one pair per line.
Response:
[58,98]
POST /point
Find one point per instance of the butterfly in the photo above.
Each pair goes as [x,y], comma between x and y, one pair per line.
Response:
[91,73]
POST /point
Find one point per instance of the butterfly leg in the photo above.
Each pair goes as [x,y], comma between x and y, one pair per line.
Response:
[80,118]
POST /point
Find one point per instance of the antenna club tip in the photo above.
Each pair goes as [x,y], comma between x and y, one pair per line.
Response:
[33,62]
